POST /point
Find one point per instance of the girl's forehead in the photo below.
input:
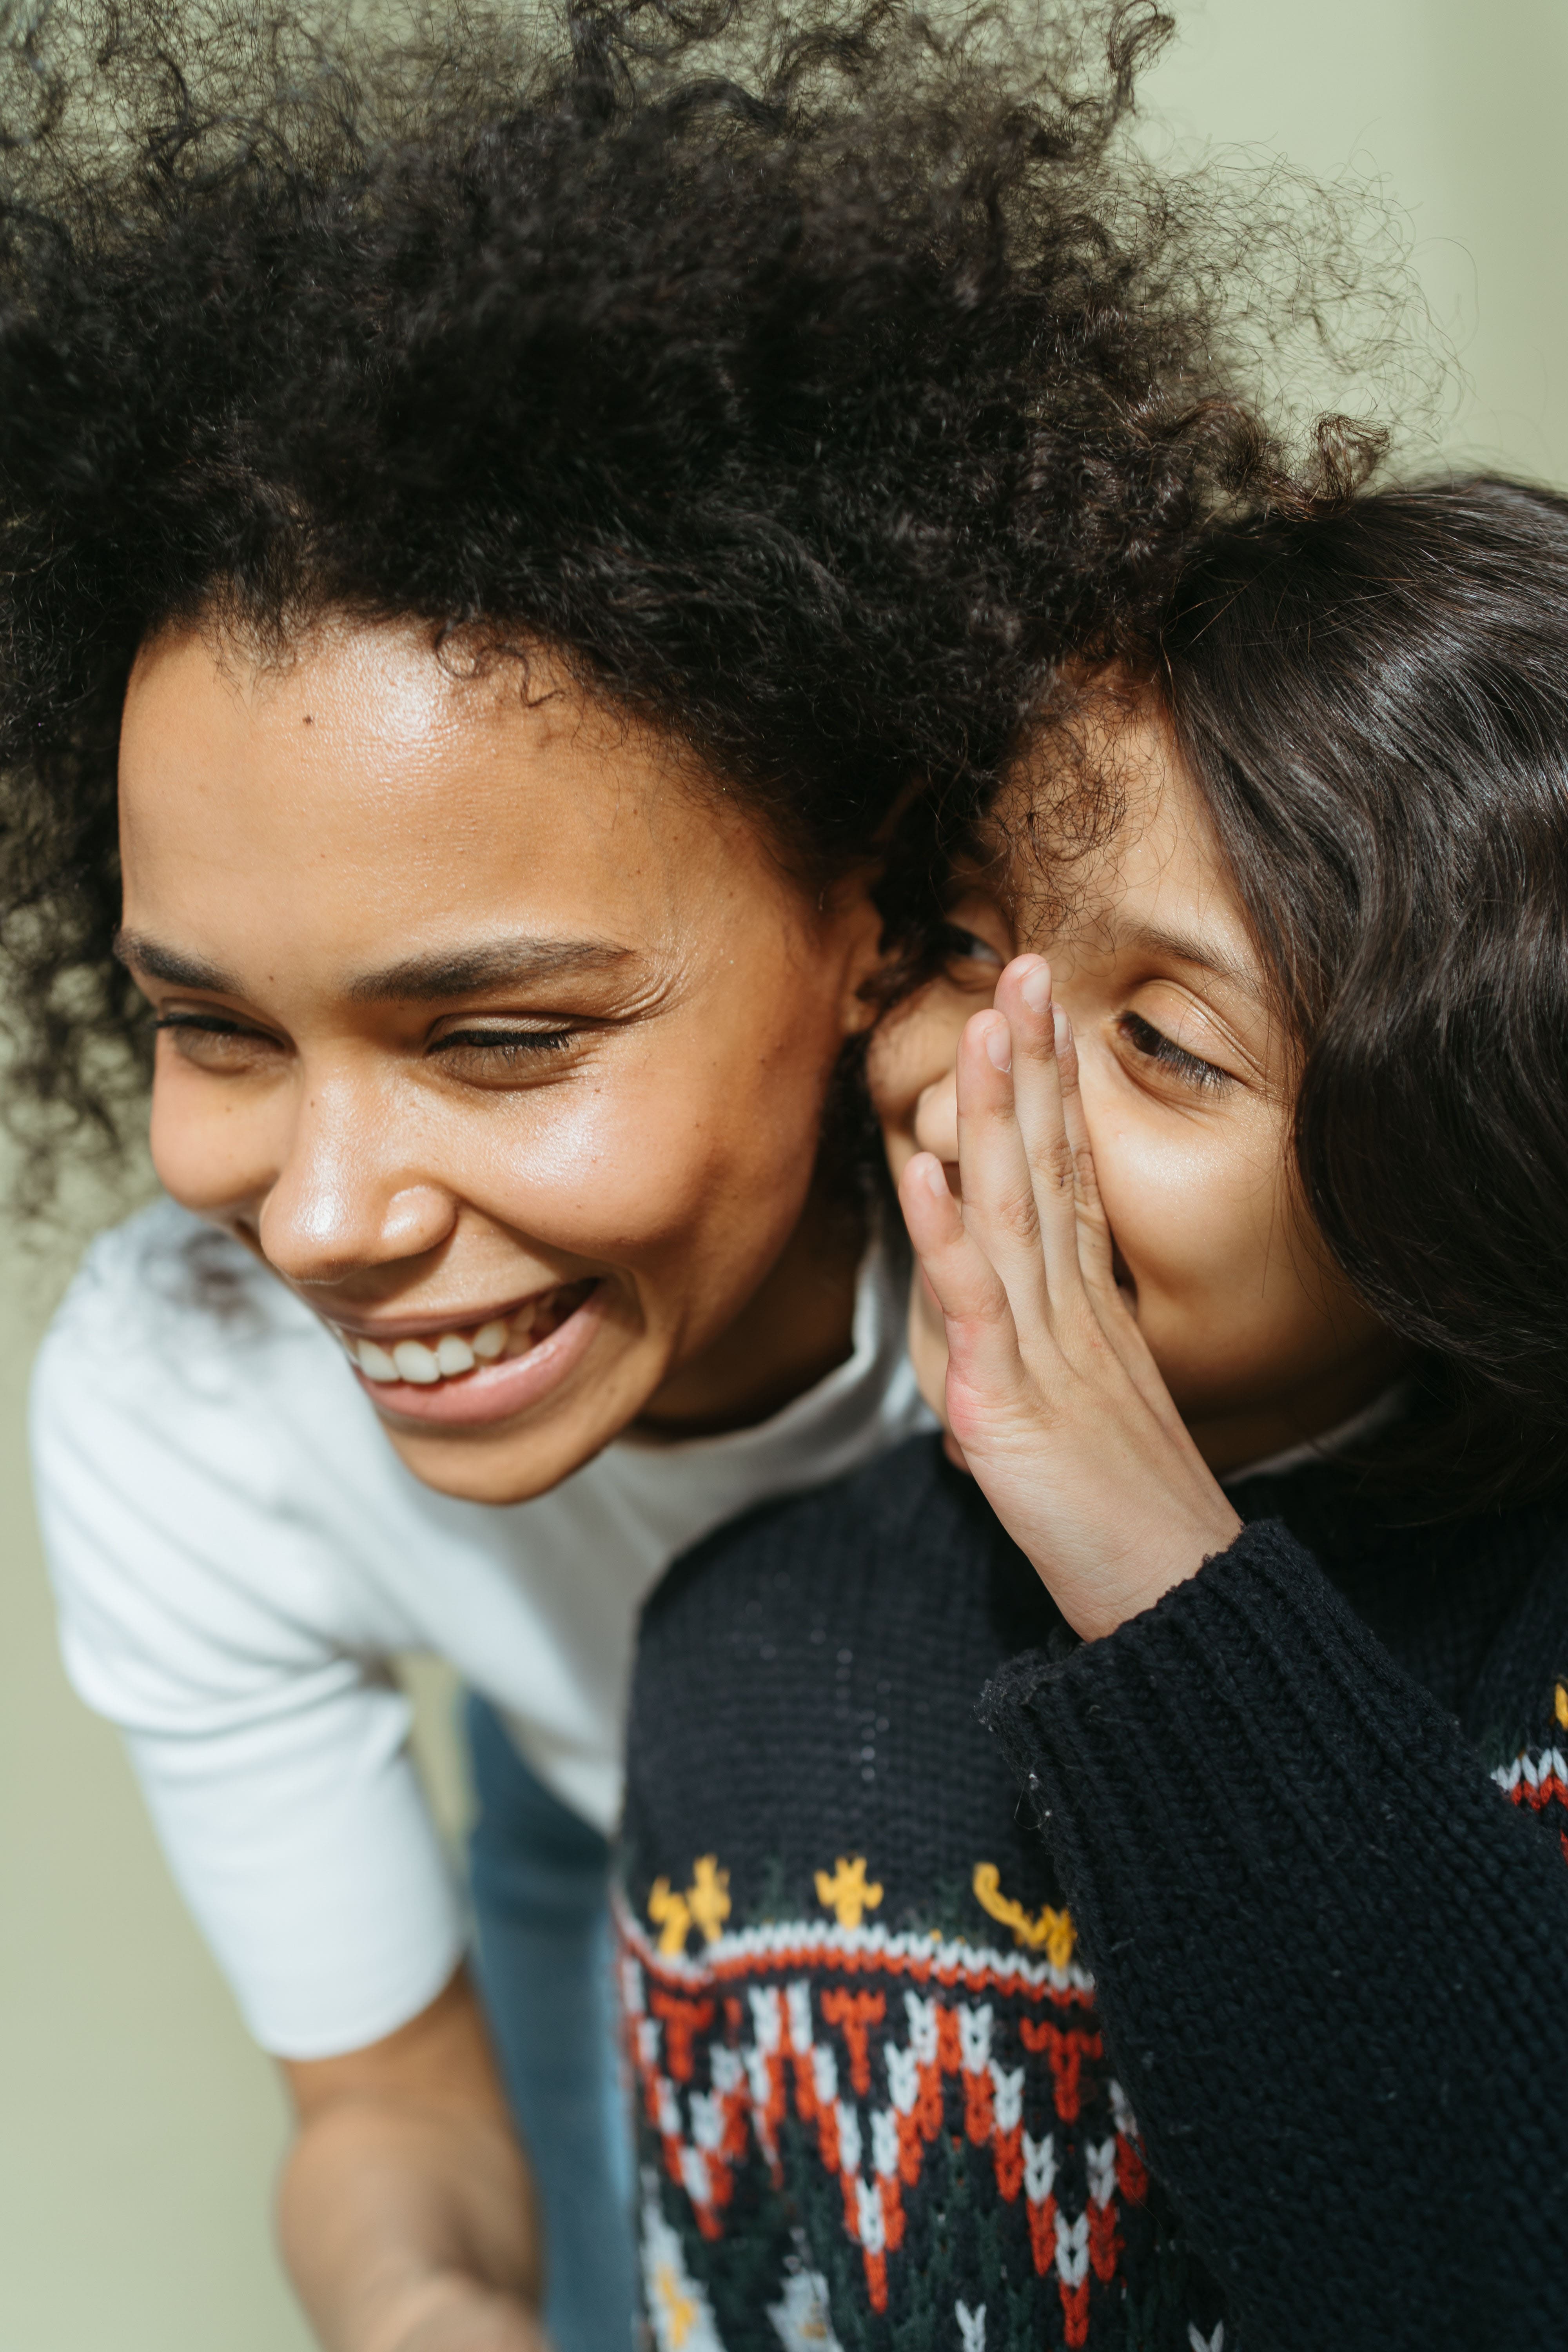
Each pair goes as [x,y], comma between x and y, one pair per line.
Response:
[1101,837]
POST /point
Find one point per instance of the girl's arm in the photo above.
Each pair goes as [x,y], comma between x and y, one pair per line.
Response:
[406,2211]
[1329,1954]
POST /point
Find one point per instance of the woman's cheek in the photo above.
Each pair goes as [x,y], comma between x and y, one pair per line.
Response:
[596,1170]
[651,1161]
[215,1145]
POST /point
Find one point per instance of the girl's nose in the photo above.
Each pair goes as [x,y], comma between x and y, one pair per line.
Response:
[936,1117]
[345,1199]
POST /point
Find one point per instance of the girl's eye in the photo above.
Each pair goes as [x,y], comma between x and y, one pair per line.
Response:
[1153,1045]
[961,946]
[508,1046]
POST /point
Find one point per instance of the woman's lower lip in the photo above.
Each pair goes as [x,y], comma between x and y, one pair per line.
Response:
[494,1391]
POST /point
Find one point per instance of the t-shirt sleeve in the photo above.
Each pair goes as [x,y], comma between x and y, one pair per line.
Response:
[1329,1951]
[200,1612]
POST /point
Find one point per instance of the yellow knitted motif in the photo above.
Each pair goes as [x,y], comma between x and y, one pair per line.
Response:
[1053,1929]
[708,1896]
[705,1905]
[671,1915]
[1560,1707]
[679,2310]
[845,1894]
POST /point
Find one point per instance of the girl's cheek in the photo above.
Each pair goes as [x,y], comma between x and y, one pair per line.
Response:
[928,1345]
[915,1048]
[1184,1218]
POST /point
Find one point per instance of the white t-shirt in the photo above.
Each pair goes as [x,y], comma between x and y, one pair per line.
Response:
[238,1551]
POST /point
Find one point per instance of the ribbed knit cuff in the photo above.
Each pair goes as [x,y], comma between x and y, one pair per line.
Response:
[1158,1759]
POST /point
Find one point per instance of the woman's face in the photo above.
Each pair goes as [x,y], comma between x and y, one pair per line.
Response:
[496,1035]
[1187,1097]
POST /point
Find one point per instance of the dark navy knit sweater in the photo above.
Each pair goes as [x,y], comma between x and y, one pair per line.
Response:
[1244,2026]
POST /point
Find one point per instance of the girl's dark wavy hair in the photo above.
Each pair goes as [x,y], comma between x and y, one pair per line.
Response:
[1374,703]
[807,383]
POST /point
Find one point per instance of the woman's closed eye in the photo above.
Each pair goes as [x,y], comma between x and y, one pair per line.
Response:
[221,1042]
[507,1049]
[217,1041]
[1152,1044]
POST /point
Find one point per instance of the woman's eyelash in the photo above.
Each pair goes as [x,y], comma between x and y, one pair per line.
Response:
[511,1044]
[1155,1046]
[211,1024]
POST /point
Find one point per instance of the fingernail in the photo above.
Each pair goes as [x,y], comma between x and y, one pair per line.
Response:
[1035,990]
[999,1044]
[1061,1026]
[935,1175]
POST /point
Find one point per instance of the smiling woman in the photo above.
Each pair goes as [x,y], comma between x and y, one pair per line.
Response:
[517,555]
[546,1169]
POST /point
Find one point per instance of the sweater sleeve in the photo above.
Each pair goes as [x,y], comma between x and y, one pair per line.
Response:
[1332,1956]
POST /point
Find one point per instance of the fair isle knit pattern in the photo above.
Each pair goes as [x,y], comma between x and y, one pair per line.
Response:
[1186,2049]
[784,2028]
[873,2098]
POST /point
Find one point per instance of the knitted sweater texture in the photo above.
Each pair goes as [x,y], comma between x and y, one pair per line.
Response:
[1204,1988]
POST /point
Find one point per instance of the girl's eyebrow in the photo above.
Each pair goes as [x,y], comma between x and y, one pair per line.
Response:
[1190,948]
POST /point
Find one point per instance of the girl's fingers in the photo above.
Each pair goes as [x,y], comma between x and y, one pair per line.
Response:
[1093,1227]
[983,1339]
[1096,1255]
[998,1184]
[1024,995]
[1075,1230]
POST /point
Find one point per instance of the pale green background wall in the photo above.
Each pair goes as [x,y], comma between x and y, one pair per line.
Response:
[138,2130]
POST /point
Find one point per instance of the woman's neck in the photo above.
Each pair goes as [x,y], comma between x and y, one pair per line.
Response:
[798,1327]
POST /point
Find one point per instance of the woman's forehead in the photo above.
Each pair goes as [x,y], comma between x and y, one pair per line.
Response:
[360,790]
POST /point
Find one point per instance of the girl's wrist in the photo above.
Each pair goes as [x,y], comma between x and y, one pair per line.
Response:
[1099,1607]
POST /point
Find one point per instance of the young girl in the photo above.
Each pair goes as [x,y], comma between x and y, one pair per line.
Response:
[495,540]
[1240,1223]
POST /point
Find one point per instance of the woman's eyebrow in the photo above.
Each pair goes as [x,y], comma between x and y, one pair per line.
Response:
[158,961]
[489,963]
[416,980]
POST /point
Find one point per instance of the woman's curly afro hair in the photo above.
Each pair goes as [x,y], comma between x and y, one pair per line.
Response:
[810,386]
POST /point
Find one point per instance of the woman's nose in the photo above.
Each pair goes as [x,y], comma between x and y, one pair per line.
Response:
[344,1198]
[936,1117]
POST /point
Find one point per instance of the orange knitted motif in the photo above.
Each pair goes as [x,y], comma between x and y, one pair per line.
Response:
[853,2012]
[1065,2051]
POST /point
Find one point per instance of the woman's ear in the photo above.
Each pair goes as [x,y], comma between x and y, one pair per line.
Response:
[863,947]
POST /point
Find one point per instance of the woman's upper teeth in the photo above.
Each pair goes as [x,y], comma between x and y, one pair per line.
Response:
[425,1361]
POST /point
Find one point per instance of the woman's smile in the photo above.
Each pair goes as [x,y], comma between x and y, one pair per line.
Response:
[473,1374]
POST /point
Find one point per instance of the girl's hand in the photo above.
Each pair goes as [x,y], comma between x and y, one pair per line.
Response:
[1051,1392]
